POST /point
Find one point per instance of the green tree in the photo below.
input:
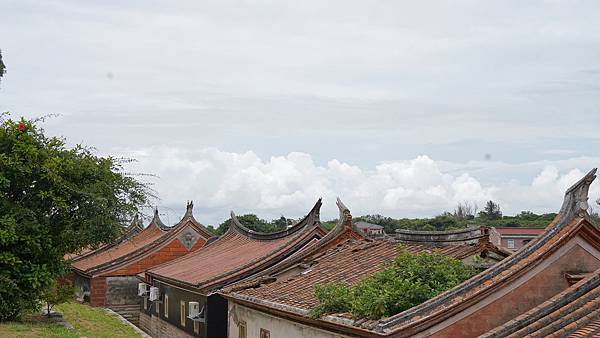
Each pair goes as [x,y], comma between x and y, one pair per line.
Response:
[491,211]
[57,294]
[53,200]
[253,222]
[444,222]
[407,281]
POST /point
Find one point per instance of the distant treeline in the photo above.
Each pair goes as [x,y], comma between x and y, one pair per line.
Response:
[255,223]
[466,214]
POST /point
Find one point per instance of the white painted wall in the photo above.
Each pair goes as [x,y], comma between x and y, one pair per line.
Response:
[279,327]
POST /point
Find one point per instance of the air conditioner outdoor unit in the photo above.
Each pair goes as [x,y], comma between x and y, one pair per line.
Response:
[196,314]
[154,293]
[194,309]
[142,289]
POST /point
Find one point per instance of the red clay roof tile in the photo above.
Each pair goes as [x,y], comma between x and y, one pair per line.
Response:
[238,253]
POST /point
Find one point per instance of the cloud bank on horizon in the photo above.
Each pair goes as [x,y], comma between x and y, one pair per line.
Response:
[219,181]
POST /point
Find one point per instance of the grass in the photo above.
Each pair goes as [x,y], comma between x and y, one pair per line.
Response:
[87,321]
[37,326]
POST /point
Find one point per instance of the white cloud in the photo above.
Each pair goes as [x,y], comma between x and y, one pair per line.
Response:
[219,181]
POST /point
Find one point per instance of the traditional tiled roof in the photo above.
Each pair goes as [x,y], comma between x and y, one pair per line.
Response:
[151,233]
[154,236]
[291,297]
[127,232]
[349,260]
[239,253]
[519,231]
[571,219]
[574,312]
[342,232]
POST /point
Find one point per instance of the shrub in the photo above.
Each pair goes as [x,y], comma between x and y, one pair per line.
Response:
[407,281]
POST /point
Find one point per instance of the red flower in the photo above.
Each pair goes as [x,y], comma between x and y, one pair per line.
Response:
[21,126]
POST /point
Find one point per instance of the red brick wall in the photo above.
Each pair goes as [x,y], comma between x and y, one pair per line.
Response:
[98,291]
[70,276]
[167,253]
[533,292]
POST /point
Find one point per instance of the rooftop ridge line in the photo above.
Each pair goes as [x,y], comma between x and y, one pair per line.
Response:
[574,202]
[157,221]
[312,218]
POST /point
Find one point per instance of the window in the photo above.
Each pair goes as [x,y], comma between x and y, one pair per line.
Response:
[242,329]
[511,243]
[182,312]
[157,307]
[265,333]
[166,306]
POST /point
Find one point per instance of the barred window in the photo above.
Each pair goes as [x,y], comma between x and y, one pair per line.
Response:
[182,312]
[242,329]
[166,306]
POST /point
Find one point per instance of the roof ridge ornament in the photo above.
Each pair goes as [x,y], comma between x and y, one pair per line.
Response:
[157,221]
[345,215]
[576,197]
[189,209]
[135,222]
[312,219]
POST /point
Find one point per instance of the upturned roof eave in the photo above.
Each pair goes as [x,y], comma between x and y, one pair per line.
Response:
[572,213]
[311,219]
[249,269]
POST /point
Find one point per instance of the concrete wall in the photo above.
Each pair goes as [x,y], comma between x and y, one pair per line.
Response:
[278,327]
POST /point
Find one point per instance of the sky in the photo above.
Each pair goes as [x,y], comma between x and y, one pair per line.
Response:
[402,108]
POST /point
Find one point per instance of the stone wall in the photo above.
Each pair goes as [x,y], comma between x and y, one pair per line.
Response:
[160,329]
[121,297]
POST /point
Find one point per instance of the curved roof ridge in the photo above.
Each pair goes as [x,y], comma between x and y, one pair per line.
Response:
[434,232]
[344,223]
[574,205]
[189,216]
[134,228]
[329,237]
[465,235]
[135,223]
[311,219]
[166,235]
[158,222]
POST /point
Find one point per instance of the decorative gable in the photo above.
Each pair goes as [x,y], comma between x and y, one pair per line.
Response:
[188,238]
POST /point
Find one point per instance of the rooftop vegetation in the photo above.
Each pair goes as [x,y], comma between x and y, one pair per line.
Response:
[407,281]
